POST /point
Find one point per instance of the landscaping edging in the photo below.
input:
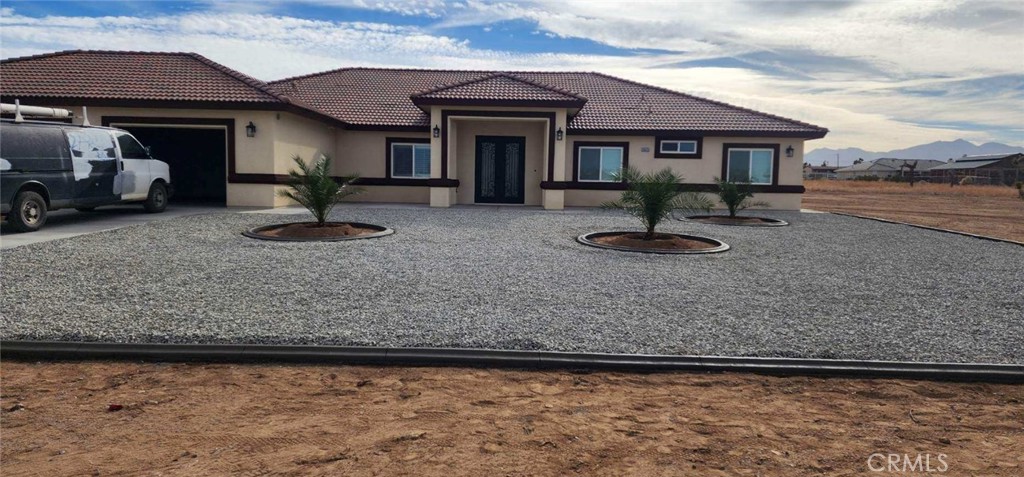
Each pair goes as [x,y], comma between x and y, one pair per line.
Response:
[718,245]
[255,233]
[927,227]
[57,350]
[763,221]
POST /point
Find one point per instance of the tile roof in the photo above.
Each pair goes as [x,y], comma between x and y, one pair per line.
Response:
[376,97]
[130,75]
[383,97]
[498,87]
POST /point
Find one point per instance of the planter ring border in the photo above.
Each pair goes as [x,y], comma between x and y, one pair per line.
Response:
[765,221]
[719,246]
[381,232]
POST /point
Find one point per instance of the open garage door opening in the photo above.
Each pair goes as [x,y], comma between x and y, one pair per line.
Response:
[197,157]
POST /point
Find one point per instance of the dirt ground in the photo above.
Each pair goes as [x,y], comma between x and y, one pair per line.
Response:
[995,211]
[220,419]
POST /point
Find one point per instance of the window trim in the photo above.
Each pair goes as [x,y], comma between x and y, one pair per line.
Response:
[577,145]
[389,149]
[698,154]
[748,146]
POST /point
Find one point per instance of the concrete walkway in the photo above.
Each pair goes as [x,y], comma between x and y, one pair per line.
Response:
[66,223]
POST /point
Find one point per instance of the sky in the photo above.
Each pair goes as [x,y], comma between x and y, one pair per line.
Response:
[880,75]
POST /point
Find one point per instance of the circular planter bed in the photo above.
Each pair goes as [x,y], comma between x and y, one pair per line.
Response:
[309,232]
[662,243]
[744,221]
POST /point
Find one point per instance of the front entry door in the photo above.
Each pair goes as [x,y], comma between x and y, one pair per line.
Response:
[500,161]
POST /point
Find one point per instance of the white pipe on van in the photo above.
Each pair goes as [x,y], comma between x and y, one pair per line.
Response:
[85,117]
[20,110]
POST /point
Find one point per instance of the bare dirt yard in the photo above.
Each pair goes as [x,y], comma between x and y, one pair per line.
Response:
[220,419]
[996,211]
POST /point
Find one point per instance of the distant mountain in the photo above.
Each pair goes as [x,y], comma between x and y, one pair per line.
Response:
[940,150]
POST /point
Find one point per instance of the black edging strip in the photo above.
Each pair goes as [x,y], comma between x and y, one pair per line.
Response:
[936,229]
[55,350]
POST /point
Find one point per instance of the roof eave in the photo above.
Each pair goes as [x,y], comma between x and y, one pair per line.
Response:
[522,103]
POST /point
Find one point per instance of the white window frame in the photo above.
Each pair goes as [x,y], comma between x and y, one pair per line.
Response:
[414,146]
[678,142]
[750,163]
[579,164]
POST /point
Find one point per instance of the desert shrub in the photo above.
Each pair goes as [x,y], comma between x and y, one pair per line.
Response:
[1020,189]
[654,196]
[315,188]
[737,196]
[967,180]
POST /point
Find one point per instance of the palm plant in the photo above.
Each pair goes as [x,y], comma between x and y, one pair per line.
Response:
[737,196]
[314,188]
[654,196]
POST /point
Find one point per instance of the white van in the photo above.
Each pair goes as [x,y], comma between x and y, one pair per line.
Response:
[46,166]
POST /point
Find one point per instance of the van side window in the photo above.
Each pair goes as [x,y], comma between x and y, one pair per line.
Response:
[92,152]
[130,148]
[27,142]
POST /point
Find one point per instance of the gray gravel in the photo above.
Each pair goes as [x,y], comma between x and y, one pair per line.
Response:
[511,278]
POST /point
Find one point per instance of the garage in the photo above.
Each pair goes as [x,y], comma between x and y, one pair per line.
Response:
[196,151]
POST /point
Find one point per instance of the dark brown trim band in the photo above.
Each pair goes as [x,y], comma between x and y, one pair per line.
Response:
[744,145]
[695,132]
[576,145]
[575,185]
[446,113]
[389,181]
[678,155]
[389,141]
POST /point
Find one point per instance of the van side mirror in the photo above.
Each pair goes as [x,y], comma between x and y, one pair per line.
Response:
[149,151]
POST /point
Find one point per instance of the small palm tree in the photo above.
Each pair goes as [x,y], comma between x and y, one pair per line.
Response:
[653,196]
[314,188]
[737,196]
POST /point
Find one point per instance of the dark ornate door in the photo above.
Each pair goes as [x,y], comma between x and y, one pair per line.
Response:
[500,161]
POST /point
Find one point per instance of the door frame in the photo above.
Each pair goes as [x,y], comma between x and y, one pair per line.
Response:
[521,186]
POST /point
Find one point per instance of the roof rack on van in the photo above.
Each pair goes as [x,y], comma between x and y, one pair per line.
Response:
[38,111]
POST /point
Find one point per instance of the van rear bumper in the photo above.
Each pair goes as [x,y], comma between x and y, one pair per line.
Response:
[5,209]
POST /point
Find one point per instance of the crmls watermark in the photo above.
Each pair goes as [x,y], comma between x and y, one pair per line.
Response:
[892,463]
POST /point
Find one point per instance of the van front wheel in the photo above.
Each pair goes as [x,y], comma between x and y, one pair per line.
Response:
[28,213]
[157,199]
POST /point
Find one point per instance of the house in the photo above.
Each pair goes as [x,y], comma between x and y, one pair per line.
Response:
[819,172]
[1006,169]
[438,137]
[885,168]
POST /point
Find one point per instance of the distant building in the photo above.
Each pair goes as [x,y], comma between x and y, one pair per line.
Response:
[886,167]
[819,172]
[987,169]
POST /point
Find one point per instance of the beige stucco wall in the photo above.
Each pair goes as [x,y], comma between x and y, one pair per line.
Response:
[705,169]
[695,171]
[535,154]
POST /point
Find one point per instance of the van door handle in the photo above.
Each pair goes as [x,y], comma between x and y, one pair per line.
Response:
[122,166]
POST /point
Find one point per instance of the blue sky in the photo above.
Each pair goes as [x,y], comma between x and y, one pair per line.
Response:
[880,75]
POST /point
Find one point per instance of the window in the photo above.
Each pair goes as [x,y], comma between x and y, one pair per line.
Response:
[599,164]
[750,165]
[410,161]
[130,148]
[92,152]
[677,148]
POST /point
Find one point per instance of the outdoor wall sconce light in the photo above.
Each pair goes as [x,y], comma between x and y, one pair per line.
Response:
[789,151]
[559,134]
[250,129]
[437,131]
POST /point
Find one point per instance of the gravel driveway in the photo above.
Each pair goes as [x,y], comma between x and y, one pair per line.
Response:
[513,278]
